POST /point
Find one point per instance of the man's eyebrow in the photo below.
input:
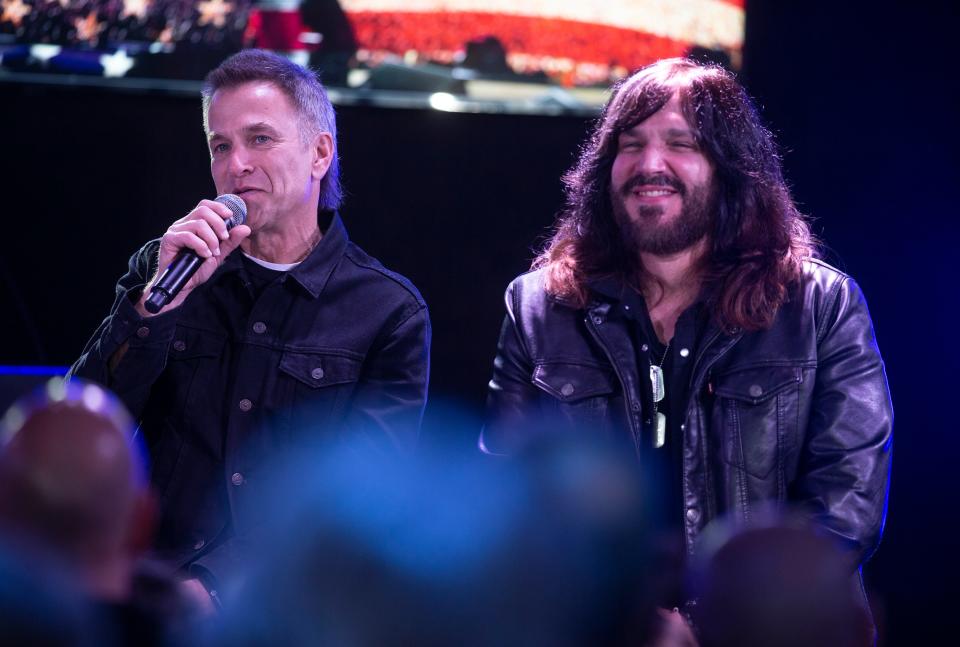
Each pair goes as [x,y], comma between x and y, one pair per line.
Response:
[259,127]
[681,132]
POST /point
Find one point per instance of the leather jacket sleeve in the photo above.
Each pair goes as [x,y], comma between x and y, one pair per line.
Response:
[845,462]
[512,397]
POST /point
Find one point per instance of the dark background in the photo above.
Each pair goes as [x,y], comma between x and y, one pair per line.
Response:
[861,97]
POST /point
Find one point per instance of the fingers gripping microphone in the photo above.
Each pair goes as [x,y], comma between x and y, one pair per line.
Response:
[187,262]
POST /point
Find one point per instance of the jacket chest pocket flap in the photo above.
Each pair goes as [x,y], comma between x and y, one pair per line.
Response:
[189,343]
[758,414]
[193,359]
[318,370]
[574,382]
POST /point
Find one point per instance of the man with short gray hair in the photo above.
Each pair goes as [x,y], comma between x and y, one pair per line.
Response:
[297,340]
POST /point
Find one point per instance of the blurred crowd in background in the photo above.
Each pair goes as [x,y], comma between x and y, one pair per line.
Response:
[183,39]
[552,547]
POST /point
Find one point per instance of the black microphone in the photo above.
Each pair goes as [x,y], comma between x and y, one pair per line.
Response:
[187,261]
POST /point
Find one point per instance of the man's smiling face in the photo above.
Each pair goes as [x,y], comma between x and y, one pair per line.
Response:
[258,153]
[661,183]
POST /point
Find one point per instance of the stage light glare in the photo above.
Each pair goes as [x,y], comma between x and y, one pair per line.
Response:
[444,101]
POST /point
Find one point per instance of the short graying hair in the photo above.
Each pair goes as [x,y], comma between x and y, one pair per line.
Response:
[302,87]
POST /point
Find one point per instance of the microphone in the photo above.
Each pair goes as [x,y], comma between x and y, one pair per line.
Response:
[187,261]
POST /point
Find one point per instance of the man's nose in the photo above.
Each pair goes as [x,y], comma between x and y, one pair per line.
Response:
[652,160]
[240,161]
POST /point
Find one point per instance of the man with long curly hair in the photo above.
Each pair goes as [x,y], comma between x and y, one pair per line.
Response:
[679,308]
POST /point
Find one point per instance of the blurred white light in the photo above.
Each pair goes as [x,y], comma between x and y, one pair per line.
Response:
[93,397]
[311,38]
[116,64]
[44,52]
[444,101]
[11,423]
[300,57]
[56,390]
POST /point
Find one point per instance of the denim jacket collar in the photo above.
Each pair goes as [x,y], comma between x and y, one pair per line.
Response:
[314,271]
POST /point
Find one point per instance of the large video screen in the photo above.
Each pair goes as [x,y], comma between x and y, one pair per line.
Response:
[550,56]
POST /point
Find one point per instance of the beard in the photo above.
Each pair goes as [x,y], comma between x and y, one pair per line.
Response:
[642,233]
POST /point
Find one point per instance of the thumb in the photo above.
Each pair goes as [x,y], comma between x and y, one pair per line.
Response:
[236,236]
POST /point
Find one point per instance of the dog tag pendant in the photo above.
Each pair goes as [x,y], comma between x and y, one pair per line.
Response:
[656,380]
[660,435]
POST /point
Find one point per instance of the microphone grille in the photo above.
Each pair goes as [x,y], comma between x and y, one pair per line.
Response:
[237,207]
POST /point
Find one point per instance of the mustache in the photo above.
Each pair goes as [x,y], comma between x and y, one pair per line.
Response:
[653,180]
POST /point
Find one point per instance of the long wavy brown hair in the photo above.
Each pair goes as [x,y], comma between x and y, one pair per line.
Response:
[759,239]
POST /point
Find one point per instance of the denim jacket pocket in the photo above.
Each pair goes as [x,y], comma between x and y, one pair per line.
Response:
[320,385]
[320,369]
[193,360]
[755,411]
[191,343]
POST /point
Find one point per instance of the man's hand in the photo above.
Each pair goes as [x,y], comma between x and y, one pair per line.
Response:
[198,596]
[204,230]
[674,631]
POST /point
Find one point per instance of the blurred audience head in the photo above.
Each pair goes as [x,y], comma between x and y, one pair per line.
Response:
[445,549]
[39,608]
[776,581]
[72,484]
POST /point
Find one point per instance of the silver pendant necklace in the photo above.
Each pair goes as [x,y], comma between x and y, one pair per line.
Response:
[659,391]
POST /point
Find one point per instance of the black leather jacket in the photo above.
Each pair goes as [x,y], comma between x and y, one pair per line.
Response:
[798,413]
[229,382]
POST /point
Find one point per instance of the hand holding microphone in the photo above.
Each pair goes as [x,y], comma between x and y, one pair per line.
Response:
[192,249]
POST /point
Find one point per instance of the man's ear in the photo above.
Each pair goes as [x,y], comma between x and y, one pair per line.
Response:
[323,152]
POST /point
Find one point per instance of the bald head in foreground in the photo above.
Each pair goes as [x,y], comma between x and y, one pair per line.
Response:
[72,485]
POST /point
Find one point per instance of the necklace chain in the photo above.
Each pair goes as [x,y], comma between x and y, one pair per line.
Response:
[665,351]
[659,392]
[660,386]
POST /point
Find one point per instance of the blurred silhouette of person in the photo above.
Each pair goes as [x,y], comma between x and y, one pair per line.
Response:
[73,485]
[338,45]
[776,582]
[547,550]
[38,608]
[487,55]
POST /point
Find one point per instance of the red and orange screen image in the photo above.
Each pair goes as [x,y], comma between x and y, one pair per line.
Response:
[451,46]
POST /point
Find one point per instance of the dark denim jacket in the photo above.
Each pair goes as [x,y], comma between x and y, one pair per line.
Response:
[225,384]
[799,413]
